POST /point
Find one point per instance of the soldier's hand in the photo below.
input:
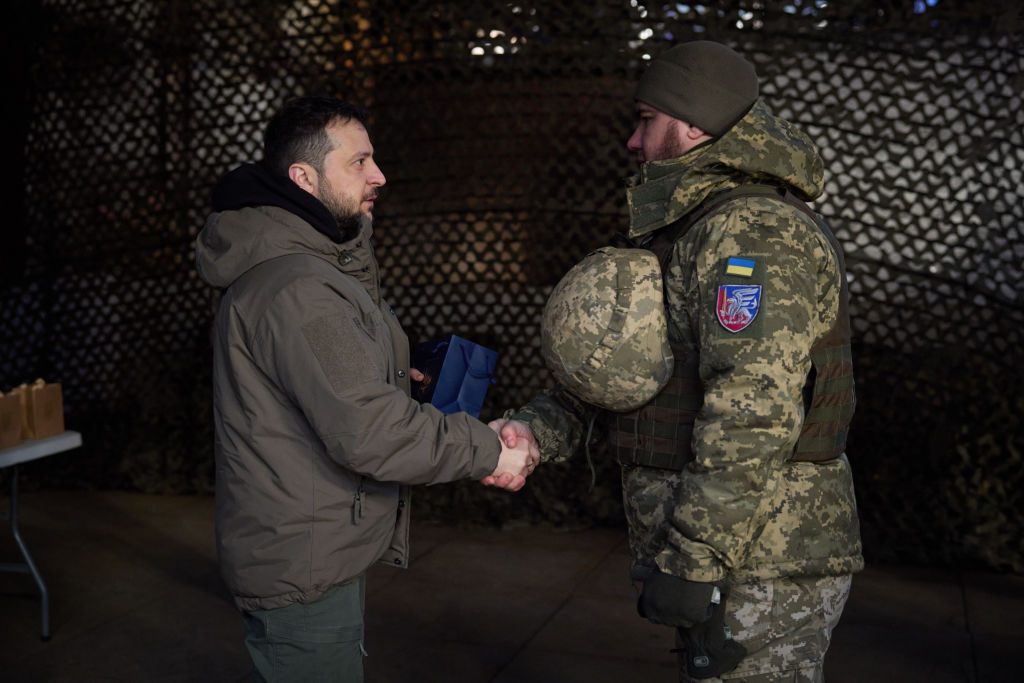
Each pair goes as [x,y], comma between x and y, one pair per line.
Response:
[709,648]
[512,433]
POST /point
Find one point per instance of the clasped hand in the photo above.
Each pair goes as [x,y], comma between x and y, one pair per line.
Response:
[519,451]
[519,455]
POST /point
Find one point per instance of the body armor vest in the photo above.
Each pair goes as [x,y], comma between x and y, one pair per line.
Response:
[660,433]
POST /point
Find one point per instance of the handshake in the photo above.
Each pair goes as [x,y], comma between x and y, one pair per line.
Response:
[519,455]
[519,451]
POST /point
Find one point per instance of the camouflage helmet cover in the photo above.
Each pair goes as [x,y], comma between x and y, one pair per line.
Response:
[603,330]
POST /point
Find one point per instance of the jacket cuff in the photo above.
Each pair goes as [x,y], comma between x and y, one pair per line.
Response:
[548,441]
[488,448]
[668,562]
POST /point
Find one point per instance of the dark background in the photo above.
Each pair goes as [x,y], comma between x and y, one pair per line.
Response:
[501,127]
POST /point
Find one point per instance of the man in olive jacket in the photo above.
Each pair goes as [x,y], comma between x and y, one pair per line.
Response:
[739,496]
[316,436]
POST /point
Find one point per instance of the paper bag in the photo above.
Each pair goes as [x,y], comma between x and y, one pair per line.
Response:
[42,407]
[457,374]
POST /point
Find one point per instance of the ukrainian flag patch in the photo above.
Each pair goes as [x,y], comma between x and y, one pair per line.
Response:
[739,266]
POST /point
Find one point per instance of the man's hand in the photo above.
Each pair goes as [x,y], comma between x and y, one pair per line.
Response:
[512,431]
[514,435]
[514,465]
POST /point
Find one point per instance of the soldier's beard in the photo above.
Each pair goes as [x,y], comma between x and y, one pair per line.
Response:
[671,146]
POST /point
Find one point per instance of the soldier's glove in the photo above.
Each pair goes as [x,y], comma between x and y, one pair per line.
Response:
[710,649]
[672,601]
[698,611]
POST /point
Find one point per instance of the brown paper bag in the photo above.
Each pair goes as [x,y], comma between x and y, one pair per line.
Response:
[10,420]
[42,410]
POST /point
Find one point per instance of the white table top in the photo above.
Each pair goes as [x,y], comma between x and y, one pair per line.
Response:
[33,449]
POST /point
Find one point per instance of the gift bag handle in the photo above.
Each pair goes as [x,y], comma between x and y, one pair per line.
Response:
[488,373]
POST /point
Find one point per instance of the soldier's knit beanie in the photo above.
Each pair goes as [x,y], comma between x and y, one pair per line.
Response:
[703,83]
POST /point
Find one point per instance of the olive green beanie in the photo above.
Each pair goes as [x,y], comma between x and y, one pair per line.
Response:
[703,83]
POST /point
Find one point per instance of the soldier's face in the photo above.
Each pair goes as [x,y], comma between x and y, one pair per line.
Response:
[659,136]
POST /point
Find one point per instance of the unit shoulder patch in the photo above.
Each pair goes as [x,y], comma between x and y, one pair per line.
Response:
[738,306]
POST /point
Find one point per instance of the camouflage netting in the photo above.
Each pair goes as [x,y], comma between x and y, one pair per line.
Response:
[501,128]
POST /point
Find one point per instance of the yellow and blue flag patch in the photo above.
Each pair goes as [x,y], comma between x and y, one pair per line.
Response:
[739,266]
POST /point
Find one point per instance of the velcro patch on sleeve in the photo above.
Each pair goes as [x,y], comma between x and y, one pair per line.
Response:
[337,342]
[739,266]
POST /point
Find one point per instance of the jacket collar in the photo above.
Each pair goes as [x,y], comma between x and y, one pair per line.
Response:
[760,147]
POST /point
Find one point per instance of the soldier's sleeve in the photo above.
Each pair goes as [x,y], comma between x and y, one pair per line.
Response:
[559,421]
[753,294]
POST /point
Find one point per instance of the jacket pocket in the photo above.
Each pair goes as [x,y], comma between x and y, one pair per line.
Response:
[814,528]
[378,500]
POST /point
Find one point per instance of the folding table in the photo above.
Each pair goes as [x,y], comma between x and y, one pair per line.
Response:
[32,449]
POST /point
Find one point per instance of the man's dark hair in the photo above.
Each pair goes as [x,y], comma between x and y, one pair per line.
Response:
[297,132]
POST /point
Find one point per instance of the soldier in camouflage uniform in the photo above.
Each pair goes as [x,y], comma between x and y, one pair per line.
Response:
[738,494]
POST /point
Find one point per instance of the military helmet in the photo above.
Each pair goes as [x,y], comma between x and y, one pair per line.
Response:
[603,333]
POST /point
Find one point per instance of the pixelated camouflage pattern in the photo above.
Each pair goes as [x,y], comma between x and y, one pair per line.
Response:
[741,509]
[559,422]
[786,626]
[603,330]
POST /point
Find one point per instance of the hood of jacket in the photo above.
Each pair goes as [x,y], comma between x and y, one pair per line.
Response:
[759,148]
[255,223]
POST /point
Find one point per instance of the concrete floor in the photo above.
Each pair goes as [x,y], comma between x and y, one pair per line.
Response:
[135,596]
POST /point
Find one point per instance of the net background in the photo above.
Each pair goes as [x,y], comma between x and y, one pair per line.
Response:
[501,127]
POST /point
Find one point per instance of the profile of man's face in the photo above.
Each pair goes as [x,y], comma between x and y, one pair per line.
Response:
[659,136]
[349,179]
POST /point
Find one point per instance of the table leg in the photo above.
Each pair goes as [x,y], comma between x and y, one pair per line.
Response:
[29,566]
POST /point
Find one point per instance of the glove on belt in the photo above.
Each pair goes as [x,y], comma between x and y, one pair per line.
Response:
[672,601]
[710,649]
[698,611]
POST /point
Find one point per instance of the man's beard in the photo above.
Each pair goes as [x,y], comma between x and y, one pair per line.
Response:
[670,147]
[346,213]
[348,224]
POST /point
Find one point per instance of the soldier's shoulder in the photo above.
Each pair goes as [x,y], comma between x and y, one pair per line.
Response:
[759,218]
[763,208]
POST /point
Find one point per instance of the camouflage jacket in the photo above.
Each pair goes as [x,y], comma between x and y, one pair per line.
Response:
[742,508]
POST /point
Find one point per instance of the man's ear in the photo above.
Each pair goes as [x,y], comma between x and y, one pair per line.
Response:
[696,132]
[304,176]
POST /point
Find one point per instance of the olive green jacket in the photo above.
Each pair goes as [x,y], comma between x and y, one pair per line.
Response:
[315,432]
[742,508]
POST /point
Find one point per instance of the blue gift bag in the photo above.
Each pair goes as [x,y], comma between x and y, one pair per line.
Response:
[457,373]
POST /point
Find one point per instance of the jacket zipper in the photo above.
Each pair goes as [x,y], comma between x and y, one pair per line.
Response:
[357,503]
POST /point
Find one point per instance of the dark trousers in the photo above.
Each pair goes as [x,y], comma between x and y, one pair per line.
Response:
[321,642]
